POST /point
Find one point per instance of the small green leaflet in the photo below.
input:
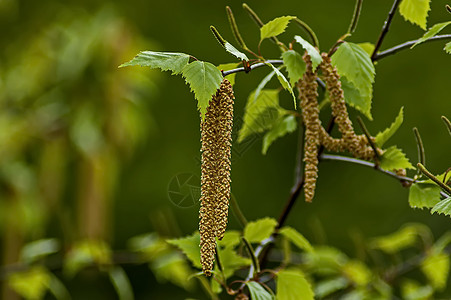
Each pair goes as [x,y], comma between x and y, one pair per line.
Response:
[397,241]
[325,260]
[356,98]
[355,64]
[412,290]
[38,249]
[32,283]
[284,125]
[436,268]
[121,283]
[284,82]
[174,62]
[296,238]
[314,54]
[383,136]
[329,286]
[231,261]
[234,51]
[358,272]
[448,48]
[368,47]
[393,159]
[291,284]
[262,84]
[204,79]
[227,67]
[259,230]
[443,207]
[260,114]
[258,292]
[231,239]
[295,65]
[432,32]
[275,27]
[415,11]
[190,247]
[424,195]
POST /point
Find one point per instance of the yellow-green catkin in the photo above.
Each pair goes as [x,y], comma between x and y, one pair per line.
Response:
[310,113]
[357,145]
[216,138]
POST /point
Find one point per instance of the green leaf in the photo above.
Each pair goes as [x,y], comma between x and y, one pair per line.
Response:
[231,261]
[368,47]
[150,245]
[258,292]
[358,272]
[190,247]
[357,99]
[284,82]
[355,64]
[448,48]
[443,207]
[235,52]
[231,239]
[296,238]
[121,283]
[260,113]
[57,288]
[295,65]
[85,253]
[204,80]
[432,32]
[436,268]
[397,241]
[329,286]
[415,11]
[383,136]
[31,284]
[411,290]
[325,260]
[291,284]
[165,61]
[172,267]
[424,195]
[227,67]
[314,54]
[284,125]
[38,249]
[393,159]
[259,230]
[275,27]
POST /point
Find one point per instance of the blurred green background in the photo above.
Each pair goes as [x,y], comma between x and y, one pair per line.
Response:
[88,150]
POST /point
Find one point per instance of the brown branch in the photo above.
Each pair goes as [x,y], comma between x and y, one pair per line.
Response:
[385,28]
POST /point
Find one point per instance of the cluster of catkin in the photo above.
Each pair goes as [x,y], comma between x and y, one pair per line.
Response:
[315,134]
[216,138]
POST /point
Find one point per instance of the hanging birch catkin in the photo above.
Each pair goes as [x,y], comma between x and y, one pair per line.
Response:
[216,138]
[310,113]
[357,145]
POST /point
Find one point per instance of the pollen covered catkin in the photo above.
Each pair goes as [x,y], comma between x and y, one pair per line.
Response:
[310,113]
[357,145]
[216,138]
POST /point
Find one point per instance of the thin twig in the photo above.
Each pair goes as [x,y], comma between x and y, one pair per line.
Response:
[435,179]
[367,164]
[234,28]
[385,28]
[447,123]
[253,256]
[407,45]
[257,253]
[237,212]
[420,147]
[368,137]
[355,16]
[309,30]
